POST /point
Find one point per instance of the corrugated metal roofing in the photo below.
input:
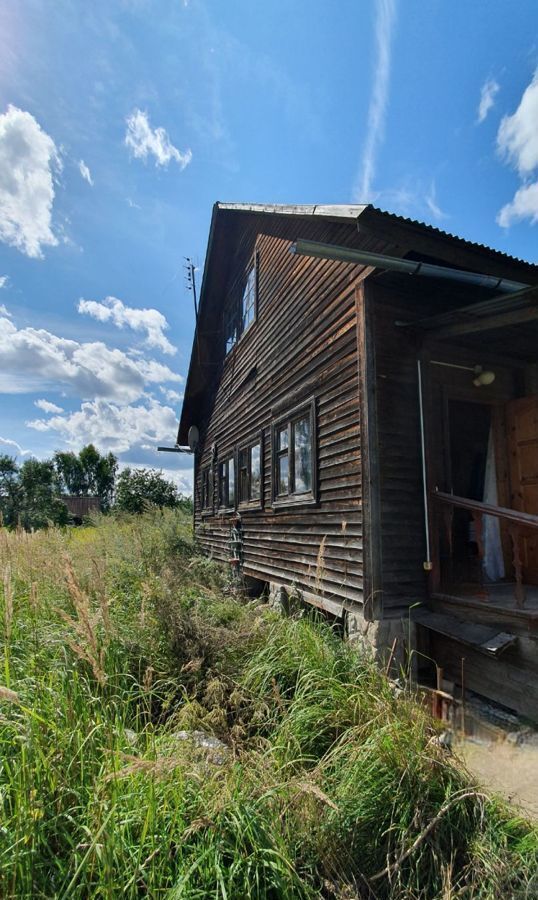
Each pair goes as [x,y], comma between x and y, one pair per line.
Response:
[353,211]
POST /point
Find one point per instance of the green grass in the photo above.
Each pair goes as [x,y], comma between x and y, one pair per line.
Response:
[116,638]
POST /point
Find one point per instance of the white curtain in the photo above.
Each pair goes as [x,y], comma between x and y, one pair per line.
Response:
[493,554]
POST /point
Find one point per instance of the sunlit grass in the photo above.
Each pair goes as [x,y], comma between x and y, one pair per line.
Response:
[117,640]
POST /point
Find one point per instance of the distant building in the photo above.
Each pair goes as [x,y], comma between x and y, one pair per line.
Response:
[80,507]
[366,429]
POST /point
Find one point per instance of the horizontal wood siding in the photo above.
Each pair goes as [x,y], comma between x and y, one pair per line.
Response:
[302,345]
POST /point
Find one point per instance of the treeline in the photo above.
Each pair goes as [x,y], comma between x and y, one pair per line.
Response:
[32,495]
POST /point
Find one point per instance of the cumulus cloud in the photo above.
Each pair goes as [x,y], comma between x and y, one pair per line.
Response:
[489,91]
[144,141]
[171,396]
[384,28]
[31,359]
[150,321]
[524,205]
[517,141]
[85,172]
[112,426]
[28,158]
[47,406]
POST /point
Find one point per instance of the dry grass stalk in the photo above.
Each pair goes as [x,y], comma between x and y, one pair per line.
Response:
[88,646]
[8,603]
[159,767]
[9,695]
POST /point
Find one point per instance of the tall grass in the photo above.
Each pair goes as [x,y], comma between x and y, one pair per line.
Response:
[120,646]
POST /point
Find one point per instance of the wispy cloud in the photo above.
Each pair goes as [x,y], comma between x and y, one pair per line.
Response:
[150,321]
[47,407]
[28,161]
[144,141]
[489,91]
[433,206]
[85,172]
[4,281]
[517,142]
[384,28]
[6,444]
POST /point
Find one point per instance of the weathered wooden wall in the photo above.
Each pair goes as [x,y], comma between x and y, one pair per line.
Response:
[302,345]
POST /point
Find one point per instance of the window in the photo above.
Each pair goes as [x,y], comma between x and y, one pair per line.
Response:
[206,488]
[250,473]
[240,311]
[294,463]
[227,484]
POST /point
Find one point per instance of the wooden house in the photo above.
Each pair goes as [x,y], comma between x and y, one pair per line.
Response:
[362,401]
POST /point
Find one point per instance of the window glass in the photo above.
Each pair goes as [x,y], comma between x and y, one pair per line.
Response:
[255,472]
[283,439]
[249,299]
[243,475]
[303,455]
[231,483]
[283,474]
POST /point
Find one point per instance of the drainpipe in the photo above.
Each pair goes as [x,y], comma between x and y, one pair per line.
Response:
[406,266]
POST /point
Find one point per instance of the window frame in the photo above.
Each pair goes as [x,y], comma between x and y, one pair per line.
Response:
[256,502]
[229,459]
[293,498]
[234,310]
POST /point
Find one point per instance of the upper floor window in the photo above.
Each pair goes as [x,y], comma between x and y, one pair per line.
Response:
[240,310]
[227,484]
[250,473]
[294,457]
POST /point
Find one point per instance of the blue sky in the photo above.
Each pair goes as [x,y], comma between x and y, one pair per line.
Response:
[121,122]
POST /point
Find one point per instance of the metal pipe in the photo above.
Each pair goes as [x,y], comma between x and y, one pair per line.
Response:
[427,562]
[407,266]
[176,449]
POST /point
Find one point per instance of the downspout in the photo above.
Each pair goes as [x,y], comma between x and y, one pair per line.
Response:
[427,562]
[406,266]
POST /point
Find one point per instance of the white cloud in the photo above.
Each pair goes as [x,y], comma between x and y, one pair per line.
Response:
[144,141]
[4,311]
[517,141]
[34,359]
[12,448]
[150,321]
[384,28]
[4,281]
[517,138]
[431,202]
[524,205]
[47,406]
[85,172]
[171,396]
[489,91]
[28,157]
[112,426]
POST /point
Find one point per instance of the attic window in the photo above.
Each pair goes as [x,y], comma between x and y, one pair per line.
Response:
[240,310]
[294,457]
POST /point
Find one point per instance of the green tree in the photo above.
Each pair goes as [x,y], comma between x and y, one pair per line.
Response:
[136,488]
[40,500]
[88,473]
[10,490]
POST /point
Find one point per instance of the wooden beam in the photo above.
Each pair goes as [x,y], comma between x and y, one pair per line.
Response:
[487,323]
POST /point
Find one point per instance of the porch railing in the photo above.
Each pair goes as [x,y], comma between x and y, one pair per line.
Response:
[519,526]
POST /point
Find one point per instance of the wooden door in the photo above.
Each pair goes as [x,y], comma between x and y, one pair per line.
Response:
[522,421]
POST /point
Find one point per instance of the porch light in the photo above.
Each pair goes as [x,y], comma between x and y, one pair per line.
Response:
[483,378]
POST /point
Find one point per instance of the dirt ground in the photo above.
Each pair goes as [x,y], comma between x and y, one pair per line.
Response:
[510,770]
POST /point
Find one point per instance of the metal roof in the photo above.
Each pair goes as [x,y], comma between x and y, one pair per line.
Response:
[353,212]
